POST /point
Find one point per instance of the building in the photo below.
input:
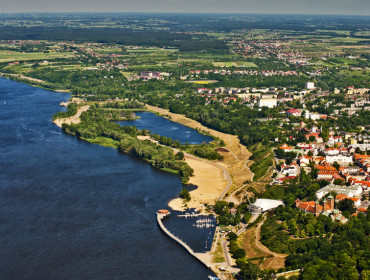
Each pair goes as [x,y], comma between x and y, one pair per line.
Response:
[350,191]
[267,102]
[327,209]
[310,85]
[290,170]
[314,207]
[341,159]
[148,75]
[293,112]
[305,160]
[263,205]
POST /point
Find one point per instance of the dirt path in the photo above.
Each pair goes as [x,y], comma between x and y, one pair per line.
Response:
[263,247]
[74,119]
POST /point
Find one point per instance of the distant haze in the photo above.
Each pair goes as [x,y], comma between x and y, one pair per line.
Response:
[343,7]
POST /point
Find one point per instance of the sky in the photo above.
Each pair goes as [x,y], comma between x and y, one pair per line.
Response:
[342,7]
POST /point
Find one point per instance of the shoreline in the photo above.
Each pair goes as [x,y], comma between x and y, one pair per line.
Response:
[212,178]
[231,168]
[29,81]
[74,119]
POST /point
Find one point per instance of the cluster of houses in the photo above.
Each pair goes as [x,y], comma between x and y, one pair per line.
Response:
[150,75]
[260,97]
[224,72]
[335,161]
[266,48]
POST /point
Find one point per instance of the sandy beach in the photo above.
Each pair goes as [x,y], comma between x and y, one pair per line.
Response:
[212,178]
[209,179]
[75,119]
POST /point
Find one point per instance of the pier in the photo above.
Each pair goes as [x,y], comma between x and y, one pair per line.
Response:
[204,258]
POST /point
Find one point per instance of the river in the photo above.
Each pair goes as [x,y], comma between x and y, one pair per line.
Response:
[74,210]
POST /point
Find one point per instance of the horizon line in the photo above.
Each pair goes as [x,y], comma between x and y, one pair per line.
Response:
[186,13]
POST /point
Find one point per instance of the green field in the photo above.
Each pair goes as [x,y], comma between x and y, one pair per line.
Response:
[150,50]
[348,39]
[341,32]
[235,63]
[7,56]
[363,33]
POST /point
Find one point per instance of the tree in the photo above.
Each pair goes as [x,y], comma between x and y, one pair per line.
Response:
[339,182]
[180,155]
[346,205]
[239,254]
[336,165]
[185,194]
[249,271]
[232,236]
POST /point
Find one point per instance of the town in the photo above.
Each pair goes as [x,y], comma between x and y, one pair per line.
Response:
[277,187]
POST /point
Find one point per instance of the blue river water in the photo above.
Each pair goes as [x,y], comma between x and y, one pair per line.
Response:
[74,210]
[165,127]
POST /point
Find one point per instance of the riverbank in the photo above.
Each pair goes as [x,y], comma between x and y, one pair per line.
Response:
[74,119]
[29,81]
[212,177]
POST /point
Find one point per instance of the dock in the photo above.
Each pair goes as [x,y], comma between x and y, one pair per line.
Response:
[202,257]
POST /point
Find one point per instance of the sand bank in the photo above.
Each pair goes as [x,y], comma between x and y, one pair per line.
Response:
[74,119]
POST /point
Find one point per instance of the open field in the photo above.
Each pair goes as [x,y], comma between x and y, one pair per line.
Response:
[257,253]
[341,32]
[7,56]
[150,50]
[235,64]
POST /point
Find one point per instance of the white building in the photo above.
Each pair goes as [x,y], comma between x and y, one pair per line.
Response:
[310,85]
[350,191]
[290,170]
[341,159]
[312,116]
[267,102]
[263,205]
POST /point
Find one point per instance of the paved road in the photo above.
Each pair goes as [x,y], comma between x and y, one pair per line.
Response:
[226,252]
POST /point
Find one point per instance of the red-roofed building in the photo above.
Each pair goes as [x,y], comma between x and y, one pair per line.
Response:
[356,201]
[285,147]
[314,207]
[318,139]
[294,112]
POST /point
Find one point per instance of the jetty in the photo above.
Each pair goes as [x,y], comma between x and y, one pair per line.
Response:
[202,257]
